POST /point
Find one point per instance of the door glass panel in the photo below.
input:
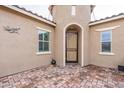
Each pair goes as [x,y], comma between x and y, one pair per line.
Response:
[71,51]
[71,40]
[71,56]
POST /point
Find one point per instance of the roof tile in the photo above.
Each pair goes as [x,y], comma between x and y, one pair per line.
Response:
[33,13]
[107,17]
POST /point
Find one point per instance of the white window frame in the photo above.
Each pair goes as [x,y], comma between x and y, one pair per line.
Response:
[45,52]
[73,10]
[106,53]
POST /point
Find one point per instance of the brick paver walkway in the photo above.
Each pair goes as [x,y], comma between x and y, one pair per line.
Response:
[70,76]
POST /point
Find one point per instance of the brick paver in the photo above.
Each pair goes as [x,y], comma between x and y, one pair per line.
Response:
[70,76]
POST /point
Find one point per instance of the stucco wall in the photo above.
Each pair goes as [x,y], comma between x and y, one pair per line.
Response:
[18,50]
[62,16]
[117,45]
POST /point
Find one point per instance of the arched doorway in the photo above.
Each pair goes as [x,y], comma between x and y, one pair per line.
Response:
[73,44]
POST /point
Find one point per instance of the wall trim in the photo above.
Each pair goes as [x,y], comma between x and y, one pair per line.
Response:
[108,28]
[43,29]
[43,53]
[106,53]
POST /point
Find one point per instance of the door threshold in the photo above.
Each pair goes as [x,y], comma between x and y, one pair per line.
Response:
[71,63]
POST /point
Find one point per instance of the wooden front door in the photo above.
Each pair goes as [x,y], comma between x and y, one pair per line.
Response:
[71,47]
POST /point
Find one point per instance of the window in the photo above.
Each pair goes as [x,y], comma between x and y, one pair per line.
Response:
[73,12]
[44,41]
[106,40]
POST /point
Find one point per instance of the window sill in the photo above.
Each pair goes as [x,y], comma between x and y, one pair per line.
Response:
[43,53]
[106,53]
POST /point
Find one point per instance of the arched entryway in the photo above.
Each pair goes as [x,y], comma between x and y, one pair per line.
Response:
[73,44]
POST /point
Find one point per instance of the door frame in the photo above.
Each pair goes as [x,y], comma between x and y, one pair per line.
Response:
[76,32]
[81,61]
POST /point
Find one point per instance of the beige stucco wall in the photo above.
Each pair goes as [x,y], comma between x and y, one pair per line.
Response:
[62,16]
[117,45]
[18,50]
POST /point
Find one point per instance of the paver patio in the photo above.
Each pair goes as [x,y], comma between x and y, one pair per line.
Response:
[71,76]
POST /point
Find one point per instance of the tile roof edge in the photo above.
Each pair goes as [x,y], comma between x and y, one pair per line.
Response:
[39,17]
[107,19]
